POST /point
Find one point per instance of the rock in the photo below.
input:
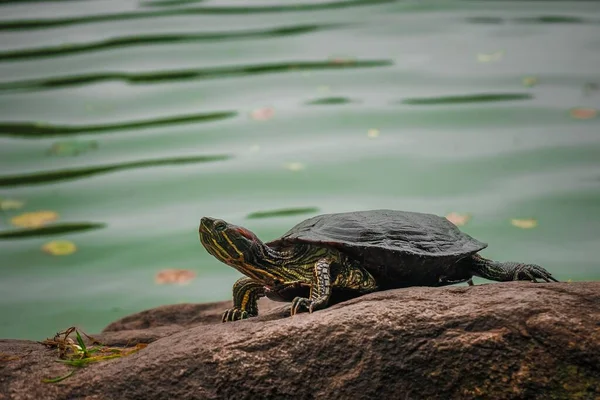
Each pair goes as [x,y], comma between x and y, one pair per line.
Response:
[495,341]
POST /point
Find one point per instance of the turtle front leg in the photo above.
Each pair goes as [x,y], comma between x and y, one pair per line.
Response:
[246,293]
[320,289]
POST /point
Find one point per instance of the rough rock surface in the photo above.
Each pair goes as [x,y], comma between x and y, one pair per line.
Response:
[496,341]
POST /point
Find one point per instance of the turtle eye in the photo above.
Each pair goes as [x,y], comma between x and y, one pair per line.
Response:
[220,226]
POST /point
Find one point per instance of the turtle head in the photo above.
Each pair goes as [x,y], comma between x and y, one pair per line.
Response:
[233,245]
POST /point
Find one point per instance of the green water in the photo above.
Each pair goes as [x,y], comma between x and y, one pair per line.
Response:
[158,97]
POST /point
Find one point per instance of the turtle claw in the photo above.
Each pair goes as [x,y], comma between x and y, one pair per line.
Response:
[532,272]
[234,314]
[299,303]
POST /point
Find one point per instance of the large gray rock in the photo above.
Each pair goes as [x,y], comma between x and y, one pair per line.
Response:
[497,341]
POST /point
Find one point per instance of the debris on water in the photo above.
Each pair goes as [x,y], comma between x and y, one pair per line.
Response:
[324,89]
[262,114]
[490,57]
[525,223]
[294,166]
[34,219]
[590,87]
[341,60]
[254,148]
[583,113]
[373,133]
[10,204]
[458,219]
[283,212]
[59,248]
[529,81]
[72,147]
[174,276]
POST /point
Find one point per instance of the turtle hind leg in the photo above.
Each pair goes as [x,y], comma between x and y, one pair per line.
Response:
[246,293]
[508,271]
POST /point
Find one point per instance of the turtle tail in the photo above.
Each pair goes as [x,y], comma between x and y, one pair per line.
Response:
[508,271]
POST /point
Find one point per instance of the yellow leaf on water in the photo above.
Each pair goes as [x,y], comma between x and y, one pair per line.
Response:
[34,219]
[584,113]
[530,81]
[373,133]
[294,166]
[262,114]
[174,276]
[491,57]
[525,223]
[458,219]
[10,204]
[59,248]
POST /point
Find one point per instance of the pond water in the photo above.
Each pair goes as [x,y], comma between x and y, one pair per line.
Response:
[127,121]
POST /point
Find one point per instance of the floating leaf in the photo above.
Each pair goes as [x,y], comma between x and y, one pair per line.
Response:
[526,223]
[490,57]
[294,166]
[529,81]
[10,204]
[584,113]
[458,219]
[284,212]
[262,114]
[177,276]
[373,133]
[72,147]
[59,248]
[34,219]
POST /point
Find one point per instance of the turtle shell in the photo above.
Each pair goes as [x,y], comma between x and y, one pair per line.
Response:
[399,240]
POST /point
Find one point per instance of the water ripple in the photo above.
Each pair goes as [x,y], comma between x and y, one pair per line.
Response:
[284,212]
[472,98]
[74,173]
[54,229]
[329,101]
[188,74]
[544,19]
[129,41]
[34,130]
[27,24]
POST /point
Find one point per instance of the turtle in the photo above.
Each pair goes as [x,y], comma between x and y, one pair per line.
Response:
[351,253]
